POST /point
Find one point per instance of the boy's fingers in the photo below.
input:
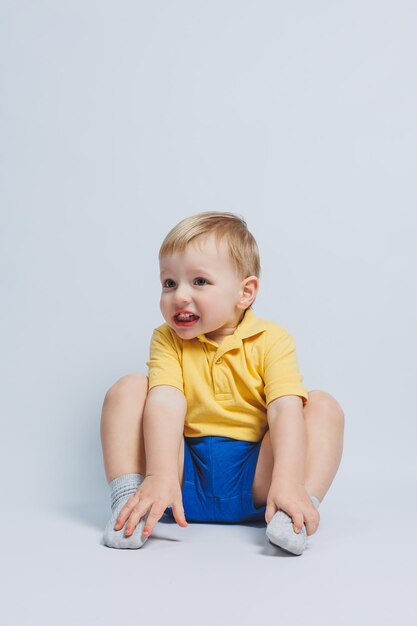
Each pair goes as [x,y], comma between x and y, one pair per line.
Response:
[312,522]
[310,527]
[270,511]
[125,512]
[136,515]
[179,515]
[122,517]
[153,517]
[297,522]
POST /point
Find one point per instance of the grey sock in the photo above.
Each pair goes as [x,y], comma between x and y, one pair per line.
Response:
[122,488]
[280,531]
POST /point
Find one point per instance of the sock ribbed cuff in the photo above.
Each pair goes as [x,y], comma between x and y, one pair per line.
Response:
[123,487]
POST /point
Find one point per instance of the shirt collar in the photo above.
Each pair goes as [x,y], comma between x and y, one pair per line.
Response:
[250,325]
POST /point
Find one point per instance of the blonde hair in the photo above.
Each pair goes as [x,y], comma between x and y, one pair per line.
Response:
[228,227]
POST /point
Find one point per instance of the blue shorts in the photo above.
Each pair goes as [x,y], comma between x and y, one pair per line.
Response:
[218,477]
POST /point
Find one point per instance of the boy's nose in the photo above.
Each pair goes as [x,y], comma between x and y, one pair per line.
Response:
[182,296]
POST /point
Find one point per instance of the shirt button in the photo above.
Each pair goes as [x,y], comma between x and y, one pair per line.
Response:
[219,361]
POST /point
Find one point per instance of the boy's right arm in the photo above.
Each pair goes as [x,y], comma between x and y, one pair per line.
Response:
[163,428]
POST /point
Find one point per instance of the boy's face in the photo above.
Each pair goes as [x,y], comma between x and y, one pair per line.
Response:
[202,280]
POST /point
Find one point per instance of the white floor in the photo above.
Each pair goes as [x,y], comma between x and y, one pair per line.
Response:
[359,568]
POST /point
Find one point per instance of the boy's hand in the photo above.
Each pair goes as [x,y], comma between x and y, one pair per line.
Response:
[156,493]
[294,500]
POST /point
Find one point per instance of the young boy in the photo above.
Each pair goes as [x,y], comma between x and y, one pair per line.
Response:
[222,429]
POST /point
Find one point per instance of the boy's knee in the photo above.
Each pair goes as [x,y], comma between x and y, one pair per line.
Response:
[128,385]
[330,403]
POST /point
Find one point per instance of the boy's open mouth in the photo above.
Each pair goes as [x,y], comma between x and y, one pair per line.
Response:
[186,319]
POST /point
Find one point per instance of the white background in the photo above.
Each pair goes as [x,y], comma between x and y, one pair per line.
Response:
[120,119]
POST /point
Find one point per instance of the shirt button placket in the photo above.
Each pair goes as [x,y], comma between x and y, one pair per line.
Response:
[217,386]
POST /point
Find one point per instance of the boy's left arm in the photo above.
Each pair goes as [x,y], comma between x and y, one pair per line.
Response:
[288,441]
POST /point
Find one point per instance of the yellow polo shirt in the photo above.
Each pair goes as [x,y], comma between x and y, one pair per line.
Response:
[228,386]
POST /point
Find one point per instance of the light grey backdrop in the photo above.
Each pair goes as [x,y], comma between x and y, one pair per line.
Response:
[120,119]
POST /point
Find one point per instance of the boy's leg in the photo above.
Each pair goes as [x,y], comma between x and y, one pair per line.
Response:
[324,420]
[124,451]
[121,427]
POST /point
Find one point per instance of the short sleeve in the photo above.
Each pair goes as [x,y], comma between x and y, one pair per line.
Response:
[281,372]
[164,365]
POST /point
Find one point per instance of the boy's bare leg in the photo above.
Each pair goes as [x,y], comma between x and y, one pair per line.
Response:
[324,420]
[122,428]
[124,451]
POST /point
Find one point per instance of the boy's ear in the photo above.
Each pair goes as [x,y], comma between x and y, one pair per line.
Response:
[249,290]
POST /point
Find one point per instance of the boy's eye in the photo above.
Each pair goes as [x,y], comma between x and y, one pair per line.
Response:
[168,281]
